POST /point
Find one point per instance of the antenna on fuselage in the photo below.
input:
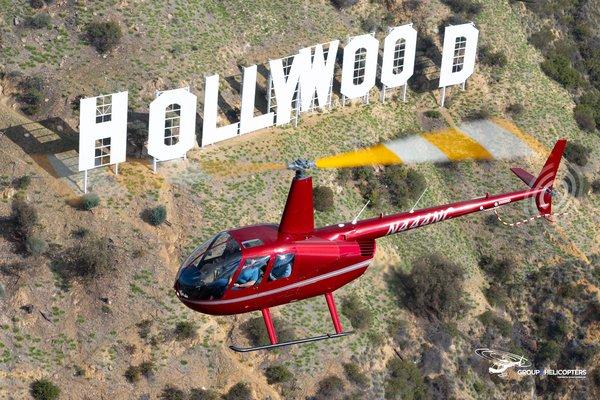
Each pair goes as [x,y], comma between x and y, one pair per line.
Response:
[360,212]
[412,210]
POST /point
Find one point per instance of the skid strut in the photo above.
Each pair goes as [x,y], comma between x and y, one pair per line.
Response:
[273,335]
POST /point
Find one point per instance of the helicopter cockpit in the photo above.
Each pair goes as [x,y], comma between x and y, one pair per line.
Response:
[206,273]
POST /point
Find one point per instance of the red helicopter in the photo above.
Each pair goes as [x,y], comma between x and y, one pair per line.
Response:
[263,266]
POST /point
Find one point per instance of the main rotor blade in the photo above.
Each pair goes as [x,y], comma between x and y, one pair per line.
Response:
[474,140]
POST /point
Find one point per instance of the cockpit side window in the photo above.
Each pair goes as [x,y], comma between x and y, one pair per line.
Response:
[252,272]
[282,267]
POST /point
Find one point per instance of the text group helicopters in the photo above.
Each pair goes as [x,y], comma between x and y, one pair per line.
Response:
[263,266]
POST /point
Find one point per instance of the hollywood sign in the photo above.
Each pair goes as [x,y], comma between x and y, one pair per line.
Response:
[297,84]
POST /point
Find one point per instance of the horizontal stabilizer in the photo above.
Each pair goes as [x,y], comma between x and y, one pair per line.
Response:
[524,176]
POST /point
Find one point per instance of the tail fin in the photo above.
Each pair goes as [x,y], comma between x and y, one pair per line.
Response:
[545,179]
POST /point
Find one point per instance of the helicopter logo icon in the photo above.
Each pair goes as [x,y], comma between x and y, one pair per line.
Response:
[501,360]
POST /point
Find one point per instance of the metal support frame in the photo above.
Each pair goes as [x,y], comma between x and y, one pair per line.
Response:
[382,94]
[269,324]
[154,164]
[85,181]
[443,99]
[337,325]
[404,92]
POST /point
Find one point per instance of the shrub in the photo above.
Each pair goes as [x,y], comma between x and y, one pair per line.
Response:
[433,286]
[476,115]
[433,114]
[137,135]
[39,21]
[331,387]
[404,184]
[104,35]
[548,351]
[404,381]
[36,3]
[43,389]
[256,332]
[323,198]
[500,269]
[488,318]
[25,218]
[31,95]
[185,330]
[492,58]
[157,215]
[278,374]
[171,392]
[358,313]
[591,99]
[542,39]
[35,245]
[132,374]
[584,115]
[355,375]
[239,391]
[146,368]
[558,67]
[88,259]
[89,201]
[596,186]
[577,153]
[515,109]
[23,182]
[344,3]
[144,328]
[467,7]
[204,394]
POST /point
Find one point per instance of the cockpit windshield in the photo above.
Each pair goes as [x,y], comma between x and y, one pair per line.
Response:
[206,273]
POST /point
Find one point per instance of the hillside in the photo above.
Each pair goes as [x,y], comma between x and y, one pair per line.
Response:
[84,334]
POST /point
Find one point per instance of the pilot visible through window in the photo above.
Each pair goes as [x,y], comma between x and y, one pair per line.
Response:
[282,267]
[252,272]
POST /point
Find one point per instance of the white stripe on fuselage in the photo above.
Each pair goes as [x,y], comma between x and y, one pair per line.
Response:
[285,288]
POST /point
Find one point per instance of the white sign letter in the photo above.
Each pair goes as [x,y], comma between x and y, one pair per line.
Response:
[102,130]
[248,122]
[285,88]
[211,133]
[360,66]
[172,124]
[398,56]
[458,57]
[319,77]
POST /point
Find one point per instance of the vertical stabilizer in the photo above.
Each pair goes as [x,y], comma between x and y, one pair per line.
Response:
[298,216]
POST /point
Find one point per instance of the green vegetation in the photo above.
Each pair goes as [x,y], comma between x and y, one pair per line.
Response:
[89,259]
[331,387]
[104,36]
[204,394]
[278,374]
[32,94]
[404,381]
[89,201]
[137,135]
[558,67]
[256,332]
[355,375]
[35,245]
[185,330]
[157,215]
[40,21]
[23,182]
[433,114]
[344,3]
[44,389]
[577,153]
[357,312]
[171,392]
[467,7]
[25,218]
[489,318]
[323,198]
[135,372]
[434,286]
[36,3]
[239,391]
[492,58]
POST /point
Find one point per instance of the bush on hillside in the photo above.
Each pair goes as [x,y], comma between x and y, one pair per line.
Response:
[35,245]
[558,67]
[44,389]
[584,116]
[185,330]
[577,153]
[171,392]
[104,36]
[323,198]
[157,215]
[39,21]
[278,374]
[36,4]
[32,94]
[239,391]
[515,109]
[355,375]
[404,381]
[331,387]
[89,259]
[22,182]
[204,394]
[434,286]
[357,312]
[256,332]
[137,135]
[343,3]
[492,58]
[467,7]
[25,218]
[405,185]
[89,201]
[542,39]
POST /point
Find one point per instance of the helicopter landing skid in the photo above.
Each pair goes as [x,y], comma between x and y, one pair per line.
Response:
[291,342]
